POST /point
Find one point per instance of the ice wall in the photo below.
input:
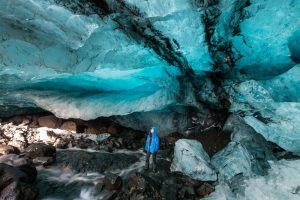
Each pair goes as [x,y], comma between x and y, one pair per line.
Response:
[138,59]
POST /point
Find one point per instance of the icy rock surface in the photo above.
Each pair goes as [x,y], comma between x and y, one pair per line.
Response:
[85,59]
[246,154]
[282,182]
[276,121]
[191,159]
[68,62]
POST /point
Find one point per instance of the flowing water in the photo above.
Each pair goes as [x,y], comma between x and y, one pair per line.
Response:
[76,172]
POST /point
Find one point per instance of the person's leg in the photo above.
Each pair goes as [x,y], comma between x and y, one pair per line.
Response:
[154,162]
[147,160]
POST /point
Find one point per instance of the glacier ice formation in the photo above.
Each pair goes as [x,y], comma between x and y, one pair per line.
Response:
[181,65]
[136,60]
[191,159]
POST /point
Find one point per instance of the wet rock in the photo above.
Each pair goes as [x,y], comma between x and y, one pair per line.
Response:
[45,161]
[169,141]
[169,191]
[8,149]
[113,129]
[212,140]
[204,190]
[60,144]
[20,119]
[69,125]
[112,181]
[49,121]
[40,150]
[95,161]
[186,191]
[108,195]
[137,182]
[14,184]
[143,186]
[99,186]
[109,148]
[21,162]
[96,129]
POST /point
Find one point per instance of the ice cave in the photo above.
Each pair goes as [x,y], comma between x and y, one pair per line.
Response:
[149,99]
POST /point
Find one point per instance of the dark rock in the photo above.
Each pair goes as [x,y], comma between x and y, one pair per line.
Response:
[108,195]
[34,122]
[8,149]
[187,191]
[143,186]
[169,191]
[204,189]
[60,144]
[112,181]
[113,129]
[95,161]
[212,140]
[20,119]
[14,184]
[21,162]
[45,161]
[40,150]
[99,186]
[109,148]
[137,182]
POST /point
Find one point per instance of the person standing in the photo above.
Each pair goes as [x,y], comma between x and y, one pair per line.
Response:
[151,147]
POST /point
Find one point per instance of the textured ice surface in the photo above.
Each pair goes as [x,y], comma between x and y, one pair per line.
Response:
[191,159]
[144,57]
[84,66]
[278,122]
[282,182]
[246,154]
[263,44]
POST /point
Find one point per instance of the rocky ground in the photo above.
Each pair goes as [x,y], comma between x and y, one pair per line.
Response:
[46,157]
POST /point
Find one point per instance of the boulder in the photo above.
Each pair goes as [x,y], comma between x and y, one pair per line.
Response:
[20,119]
[17,143]
[204,190]
[143,186]
[113,129]
[49,121]
[191,159]
[8,149]
[69,125]
[60,144]
[43,161]
[14,184]
[22,163]
[108,195]
[112,181]
[248,153]
[137,182]
[40,150]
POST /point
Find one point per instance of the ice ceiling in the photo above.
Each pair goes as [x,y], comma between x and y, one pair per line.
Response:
[86,59]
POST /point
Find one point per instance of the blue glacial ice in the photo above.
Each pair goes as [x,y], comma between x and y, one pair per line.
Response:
[246,154]
[138,59]
[282,182]
[191,159]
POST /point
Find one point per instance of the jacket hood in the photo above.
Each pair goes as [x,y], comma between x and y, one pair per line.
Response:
[155,130]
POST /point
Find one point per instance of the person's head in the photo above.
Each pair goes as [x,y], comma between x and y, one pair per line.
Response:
[153,130]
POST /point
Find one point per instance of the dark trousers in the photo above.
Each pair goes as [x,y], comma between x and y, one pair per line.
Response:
[153,160]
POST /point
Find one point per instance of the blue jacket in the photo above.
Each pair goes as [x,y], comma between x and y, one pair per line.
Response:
[154,143]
